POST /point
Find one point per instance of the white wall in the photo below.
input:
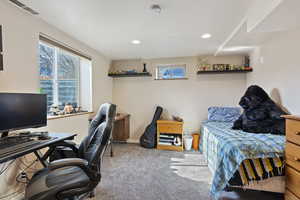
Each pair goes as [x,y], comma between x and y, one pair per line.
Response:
[277,68]
[188,99]
[21,72]
[21,36]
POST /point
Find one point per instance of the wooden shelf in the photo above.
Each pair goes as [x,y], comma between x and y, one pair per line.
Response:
[225,72]
[130,75]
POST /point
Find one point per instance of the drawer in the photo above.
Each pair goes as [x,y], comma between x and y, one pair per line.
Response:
[293,131]
[290,196]
[292,154]
[170,128]
[293,180]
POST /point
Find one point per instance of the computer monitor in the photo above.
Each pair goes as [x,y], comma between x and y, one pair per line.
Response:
[20,111]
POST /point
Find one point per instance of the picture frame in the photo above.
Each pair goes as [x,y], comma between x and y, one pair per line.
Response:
[171,71]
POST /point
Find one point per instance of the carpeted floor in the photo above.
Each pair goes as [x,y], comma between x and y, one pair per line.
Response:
[135,173]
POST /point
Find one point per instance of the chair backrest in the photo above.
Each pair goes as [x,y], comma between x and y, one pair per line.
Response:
[94,144]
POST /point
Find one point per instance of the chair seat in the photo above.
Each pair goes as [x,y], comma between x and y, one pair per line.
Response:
[46,184]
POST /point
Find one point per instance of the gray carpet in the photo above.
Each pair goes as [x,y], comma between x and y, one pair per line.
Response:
[136,173]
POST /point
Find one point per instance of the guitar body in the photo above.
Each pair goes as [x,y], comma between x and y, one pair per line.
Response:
[148,139]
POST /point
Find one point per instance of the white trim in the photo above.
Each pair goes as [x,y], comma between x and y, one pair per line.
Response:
[231,36]
[133,141]
[55,78]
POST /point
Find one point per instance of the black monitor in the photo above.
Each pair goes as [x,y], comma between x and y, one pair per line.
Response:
[20,111]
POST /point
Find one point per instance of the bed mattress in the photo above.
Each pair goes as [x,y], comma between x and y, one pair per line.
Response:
[236,158]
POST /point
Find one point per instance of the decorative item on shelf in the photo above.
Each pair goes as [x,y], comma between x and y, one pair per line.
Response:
[77,109]
[145,68]
[68,108]
[224,68]
[54,110]
[247,62]
[205,67]
[130,71]
[203,64]
[115,72]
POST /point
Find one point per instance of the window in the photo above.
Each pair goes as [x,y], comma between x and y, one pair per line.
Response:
[60,72]
[171,72]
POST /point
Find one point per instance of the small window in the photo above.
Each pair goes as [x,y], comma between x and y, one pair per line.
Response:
[170,72]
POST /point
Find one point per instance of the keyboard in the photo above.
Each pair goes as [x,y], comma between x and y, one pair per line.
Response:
[15,144]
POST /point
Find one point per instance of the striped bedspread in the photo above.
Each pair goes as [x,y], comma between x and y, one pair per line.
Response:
[233,152]
[256,170]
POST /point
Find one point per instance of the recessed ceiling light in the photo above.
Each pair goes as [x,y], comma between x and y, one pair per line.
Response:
[206,36]
[156,8]
[136,42]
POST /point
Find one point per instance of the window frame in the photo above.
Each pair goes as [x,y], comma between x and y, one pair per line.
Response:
[159,66]
[55,79]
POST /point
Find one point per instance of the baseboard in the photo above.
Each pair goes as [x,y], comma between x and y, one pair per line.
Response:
[133,141]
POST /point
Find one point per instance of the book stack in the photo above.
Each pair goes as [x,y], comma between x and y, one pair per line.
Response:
[166,139]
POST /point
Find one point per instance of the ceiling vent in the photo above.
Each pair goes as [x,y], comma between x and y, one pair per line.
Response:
[23,6]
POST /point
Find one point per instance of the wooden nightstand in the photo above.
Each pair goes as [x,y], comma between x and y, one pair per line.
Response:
[292,154]
[167,131]
[121,127]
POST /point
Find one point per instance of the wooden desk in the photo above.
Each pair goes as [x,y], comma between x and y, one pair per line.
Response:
[55,139]
[121,127]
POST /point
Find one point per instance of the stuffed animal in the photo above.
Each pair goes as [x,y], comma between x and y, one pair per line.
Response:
[261,114]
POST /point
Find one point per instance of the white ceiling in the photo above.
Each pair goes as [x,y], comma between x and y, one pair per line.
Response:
[110,25]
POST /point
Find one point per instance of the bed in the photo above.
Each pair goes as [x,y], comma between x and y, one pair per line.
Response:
[237,158]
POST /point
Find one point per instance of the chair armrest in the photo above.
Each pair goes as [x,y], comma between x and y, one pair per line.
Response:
[68,162]
[70,144]
[67,143]
[73,162]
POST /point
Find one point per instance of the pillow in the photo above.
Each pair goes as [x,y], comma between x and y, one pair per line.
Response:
[224,114]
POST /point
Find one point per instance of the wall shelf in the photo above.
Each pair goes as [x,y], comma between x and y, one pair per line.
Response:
[225,72]
[130,75]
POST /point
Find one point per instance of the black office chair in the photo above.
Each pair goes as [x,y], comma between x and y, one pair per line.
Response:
[69,149]
[73,178]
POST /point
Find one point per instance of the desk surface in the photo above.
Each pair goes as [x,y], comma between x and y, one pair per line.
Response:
[55,138]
